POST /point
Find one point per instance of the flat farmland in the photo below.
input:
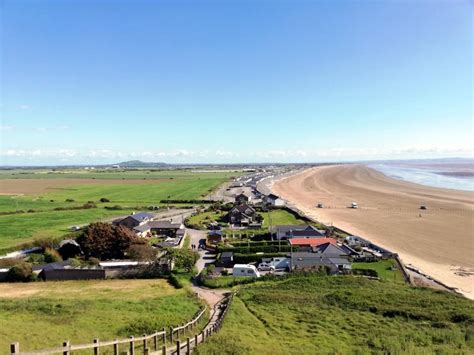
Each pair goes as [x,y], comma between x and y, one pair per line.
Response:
[42,315]
[40,193]
[21,228]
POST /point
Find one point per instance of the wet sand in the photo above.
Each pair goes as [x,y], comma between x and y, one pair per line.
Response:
[439,241]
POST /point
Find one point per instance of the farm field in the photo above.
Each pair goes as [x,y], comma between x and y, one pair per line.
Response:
[315,314]
[23,228]
[41,196]
[43,314]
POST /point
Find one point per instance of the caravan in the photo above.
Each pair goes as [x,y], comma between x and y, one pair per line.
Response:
[245,270]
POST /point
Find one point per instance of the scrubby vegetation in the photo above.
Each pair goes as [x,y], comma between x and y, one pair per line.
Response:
[313,315]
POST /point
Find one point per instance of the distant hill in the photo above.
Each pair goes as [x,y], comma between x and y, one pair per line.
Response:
[140,164]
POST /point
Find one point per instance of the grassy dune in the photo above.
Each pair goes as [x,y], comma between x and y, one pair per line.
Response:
[312,315]
[44,314]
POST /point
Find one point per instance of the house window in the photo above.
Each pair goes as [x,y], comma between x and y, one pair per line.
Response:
[249,272]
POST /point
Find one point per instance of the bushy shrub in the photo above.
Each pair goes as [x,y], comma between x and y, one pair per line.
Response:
[51,256]
[106,241]
[21,272]
[251,258]
[116,207]
[173,280]
[103,199]
[69,200]
[142,252]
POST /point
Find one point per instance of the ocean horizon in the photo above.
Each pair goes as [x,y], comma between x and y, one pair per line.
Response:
[447,175]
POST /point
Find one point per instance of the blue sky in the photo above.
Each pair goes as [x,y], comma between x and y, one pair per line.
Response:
[234,81]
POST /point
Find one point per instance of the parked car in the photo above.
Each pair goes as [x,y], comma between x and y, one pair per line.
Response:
[423,207]
[354,205]
[266,267]
[320,205]
[245,270]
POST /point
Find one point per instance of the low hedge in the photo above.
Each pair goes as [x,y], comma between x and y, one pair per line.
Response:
[256,249]
[251,258]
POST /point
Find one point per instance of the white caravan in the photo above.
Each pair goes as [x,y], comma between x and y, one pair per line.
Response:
[245,270]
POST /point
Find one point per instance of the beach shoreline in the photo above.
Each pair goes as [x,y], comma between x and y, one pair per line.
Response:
[438,241]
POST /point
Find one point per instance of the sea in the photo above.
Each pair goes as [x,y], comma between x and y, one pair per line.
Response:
[448,174]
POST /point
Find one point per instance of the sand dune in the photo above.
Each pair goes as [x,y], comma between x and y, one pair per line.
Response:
[440,242]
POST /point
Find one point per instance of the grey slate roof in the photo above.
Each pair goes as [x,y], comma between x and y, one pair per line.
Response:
[142,216]
[298,231]
[52,266]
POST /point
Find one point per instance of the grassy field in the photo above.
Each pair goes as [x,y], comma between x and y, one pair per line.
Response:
[23,228]
[16,229]
[113,174]
[314,315]
[386,269]
[279,217]
[44,314]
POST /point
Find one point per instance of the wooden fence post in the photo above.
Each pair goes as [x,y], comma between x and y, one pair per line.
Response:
[195,340]
[155,341]
[171,334]
[163,350]
[14,348]
[188,347]
[66,345]
[146,351]
[178,347]
[116,347]
[164,335]
[132,345]
[145,342]
[96,346]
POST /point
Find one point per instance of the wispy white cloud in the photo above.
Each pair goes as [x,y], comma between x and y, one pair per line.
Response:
[297,155]
[6,128]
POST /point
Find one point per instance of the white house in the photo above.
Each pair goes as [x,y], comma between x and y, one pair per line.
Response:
[274,200]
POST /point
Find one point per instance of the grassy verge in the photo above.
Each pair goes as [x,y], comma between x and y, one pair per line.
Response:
[314,315]
[43,314]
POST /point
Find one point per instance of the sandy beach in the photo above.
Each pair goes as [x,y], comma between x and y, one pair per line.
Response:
[438,241]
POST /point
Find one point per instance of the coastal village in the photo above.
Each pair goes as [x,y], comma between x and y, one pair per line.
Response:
[237,235]
[241,233]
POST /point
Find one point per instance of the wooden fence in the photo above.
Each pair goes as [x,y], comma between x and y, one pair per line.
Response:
[150,343]
[215,323]
[146,340]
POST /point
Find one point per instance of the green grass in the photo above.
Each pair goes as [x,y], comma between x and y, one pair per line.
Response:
[202,220]
[43,314]
[279,217]
[19,228]
[386,269]
[114,174]
[321,315]
[24,228]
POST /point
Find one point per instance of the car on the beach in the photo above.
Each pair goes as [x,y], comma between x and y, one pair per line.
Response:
[423,207]
[354,205]
[320,205]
